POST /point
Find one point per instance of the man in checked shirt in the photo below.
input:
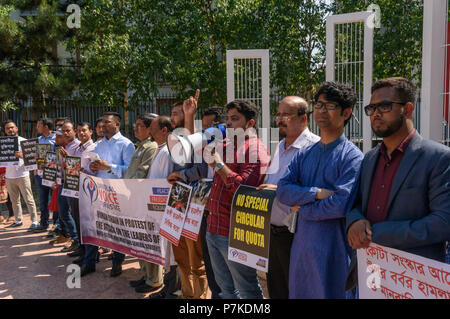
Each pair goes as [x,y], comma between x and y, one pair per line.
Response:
[244,160]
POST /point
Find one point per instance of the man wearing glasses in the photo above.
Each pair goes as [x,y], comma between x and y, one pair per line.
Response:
[404,197]
[292,122]
[320,179]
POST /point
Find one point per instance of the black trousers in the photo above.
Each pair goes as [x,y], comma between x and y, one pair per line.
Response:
[279,257]
[172,281]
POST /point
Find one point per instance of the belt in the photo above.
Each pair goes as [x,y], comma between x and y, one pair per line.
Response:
[279,229]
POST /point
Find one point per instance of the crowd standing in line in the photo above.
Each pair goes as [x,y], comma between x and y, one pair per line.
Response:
[330,198]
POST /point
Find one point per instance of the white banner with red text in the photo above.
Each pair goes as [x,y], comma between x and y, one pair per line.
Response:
[124,215]
[387,273]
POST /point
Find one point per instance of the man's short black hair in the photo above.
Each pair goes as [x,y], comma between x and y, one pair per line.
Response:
[47,122]
[59,119]
[218,112]
[164,121]
[178,104]
[7,122]
[405,89]
[97,121]
[116,116]
[70,122]
[342,94]
[88,124]
[147,118]
[247,108]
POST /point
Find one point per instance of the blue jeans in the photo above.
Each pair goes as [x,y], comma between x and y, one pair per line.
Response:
[65,217]
[45,196]
[235,280]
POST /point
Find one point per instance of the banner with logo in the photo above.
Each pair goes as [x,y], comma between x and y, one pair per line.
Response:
[41,152]
[249,236]
[193,221]
[124,215]
[29,152]
[8,146]
[175,212]
[387,273]
[72,177]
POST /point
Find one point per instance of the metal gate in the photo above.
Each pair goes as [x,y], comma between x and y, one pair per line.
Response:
[248,79]
[349,59]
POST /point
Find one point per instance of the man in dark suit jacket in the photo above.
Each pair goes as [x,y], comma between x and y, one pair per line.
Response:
[403,200]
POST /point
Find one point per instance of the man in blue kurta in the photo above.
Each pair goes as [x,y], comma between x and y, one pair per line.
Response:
[321,180]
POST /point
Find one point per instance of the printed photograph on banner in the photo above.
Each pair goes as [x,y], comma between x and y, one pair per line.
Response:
[72,177]
[41,152]
[175,212]
[193,221]
[249,235]
[50,172]
[8,146]
[387,273]
[114,214]
[29,151]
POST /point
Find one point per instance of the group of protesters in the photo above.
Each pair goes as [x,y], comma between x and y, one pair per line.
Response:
[331,199]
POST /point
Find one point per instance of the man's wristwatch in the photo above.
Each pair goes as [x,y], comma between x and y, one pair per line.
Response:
[219,166]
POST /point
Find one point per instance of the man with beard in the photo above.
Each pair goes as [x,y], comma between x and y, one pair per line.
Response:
[292,122]
[244,162]
[320,179]
[404,197]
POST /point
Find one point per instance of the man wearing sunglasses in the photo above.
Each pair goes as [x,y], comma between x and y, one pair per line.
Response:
[320,179]
[404,197]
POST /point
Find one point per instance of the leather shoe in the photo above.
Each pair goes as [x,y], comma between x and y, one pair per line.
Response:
[86,270]
[144,288]
[116,270]
[158,295]
[135,283]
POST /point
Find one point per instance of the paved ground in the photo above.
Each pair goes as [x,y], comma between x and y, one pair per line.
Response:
[31,268]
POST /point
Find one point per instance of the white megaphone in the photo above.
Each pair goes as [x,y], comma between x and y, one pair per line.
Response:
[186,149]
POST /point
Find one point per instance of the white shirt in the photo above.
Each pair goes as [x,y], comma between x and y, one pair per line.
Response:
[17,171]
[162,164]
[278,167]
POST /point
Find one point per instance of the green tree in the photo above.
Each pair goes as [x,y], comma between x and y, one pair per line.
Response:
[29,66]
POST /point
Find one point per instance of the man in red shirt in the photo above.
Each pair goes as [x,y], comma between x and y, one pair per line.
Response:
[243,160]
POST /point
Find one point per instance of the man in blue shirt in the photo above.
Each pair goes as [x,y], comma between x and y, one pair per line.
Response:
[320,179]
[44,127]
[115,152]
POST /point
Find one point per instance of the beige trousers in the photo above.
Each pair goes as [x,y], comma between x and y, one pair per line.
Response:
[153,273]
[17,186]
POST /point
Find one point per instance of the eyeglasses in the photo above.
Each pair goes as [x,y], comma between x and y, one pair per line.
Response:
[284,117]
[382,107]
[328,106]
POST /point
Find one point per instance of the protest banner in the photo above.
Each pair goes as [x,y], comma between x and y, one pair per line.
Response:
[175,212]
[193,221]
[387,273]
[249,236]
[8,146]
[41,152]
[29,152]
[72,177]
[50,169]
[116,214]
